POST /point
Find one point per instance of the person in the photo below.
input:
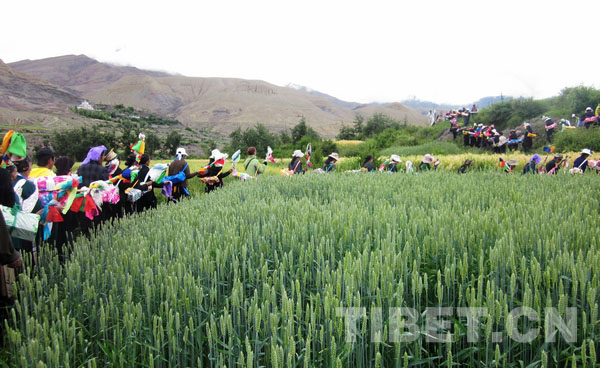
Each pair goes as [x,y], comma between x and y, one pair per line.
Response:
[369,164]
[251,164]
[550,126]
[474,109]
[64,233]
[531,168]
[295,165]
[528,137]
[25,189]
[177,166]
[27,195]
[513,139]
[124,183]
[465,166]
[148,199]
[453,128]
[393,165]
[329,165]
[91,168]
[552,166]
[9,256]
[214,174]
[63,165]
[112,164]
[45,161]
[581,162]
[426,162]
[589,117]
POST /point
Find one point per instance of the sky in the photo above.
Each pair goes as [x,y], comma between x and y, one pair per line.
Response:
[363,51]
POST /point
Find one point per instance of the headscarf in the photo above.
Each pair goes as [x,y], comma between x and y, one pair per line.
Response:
[536,159]
[94,154]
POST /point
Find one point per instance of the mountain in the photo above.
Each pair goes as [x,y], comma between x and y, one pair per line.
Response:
[78,72]
[21,92]
[221,104]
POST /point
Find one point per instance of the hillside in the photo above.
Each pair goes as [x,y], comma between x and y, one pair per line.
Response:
[221,104]
[78,72]
[22,92]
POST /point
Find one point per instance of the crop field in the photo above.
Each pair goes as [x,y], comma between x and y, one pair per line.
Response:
[341,270]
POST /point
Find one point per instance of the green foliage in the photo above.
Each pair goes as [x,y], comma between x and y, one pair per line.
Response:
[574,100]
[578,139]
[259,281]
[153,145]
[258,136]
[377,124]
[172,142]
[510,113]
[301,130]
[346,133]
[327,147]
[77,142]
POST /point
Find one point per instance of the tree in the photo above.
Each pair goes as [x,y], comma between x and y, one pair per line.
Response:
[76,143]
[358,124]
[153,144]
[346,133]
[303,130]
[172,142]
[299,130]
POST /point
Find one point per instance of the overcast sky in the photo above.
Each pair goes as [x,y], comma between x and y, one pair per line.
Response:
[443,51]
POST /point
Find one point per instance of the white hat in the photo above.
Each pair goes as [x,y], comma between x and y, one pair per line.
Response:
[297,153]
[428,159]
[502,140]
[334,156]
[181,152]
[588,109]
[396,158]
[587,151]
[218,155]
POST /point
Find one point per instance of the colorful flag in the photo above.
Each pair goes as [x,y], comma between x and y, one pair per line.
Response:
[270,155]
[549,149]
[308,154]
[235,158]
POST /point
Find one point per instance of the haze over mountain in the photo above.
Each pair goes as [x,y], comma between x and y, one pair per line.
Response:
[221,104]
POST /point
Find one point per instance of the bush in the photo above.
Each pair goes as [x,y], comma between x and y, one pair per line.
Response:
[578,139]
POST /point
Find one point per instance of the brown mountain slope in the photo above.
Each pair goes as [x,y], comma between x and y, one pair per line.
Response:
[222,104]
[24,93]
[77,72]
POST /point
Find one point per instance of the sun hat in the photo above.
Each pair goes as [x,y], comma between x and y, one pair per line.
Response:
[586,151]
[512,163]
[111,155]
[334,156]
[502,140]
[396,158]
[536,159]
[588,109]
[297,153]
[558,155]
[428,158]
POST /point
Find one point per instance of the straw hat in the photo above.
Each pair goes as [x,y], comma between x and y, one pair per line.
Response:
[297,153]
[111,155]
[512,163]
[586,151]
[334,156]
[428,159]
[396,158]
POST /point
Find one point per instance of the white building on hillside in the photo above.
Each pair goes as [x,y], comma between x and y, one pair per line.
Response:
[85,106]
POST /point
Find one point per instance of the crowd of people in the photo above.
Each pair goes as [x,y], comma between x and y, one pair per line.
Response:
[488,137]
[51,204]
